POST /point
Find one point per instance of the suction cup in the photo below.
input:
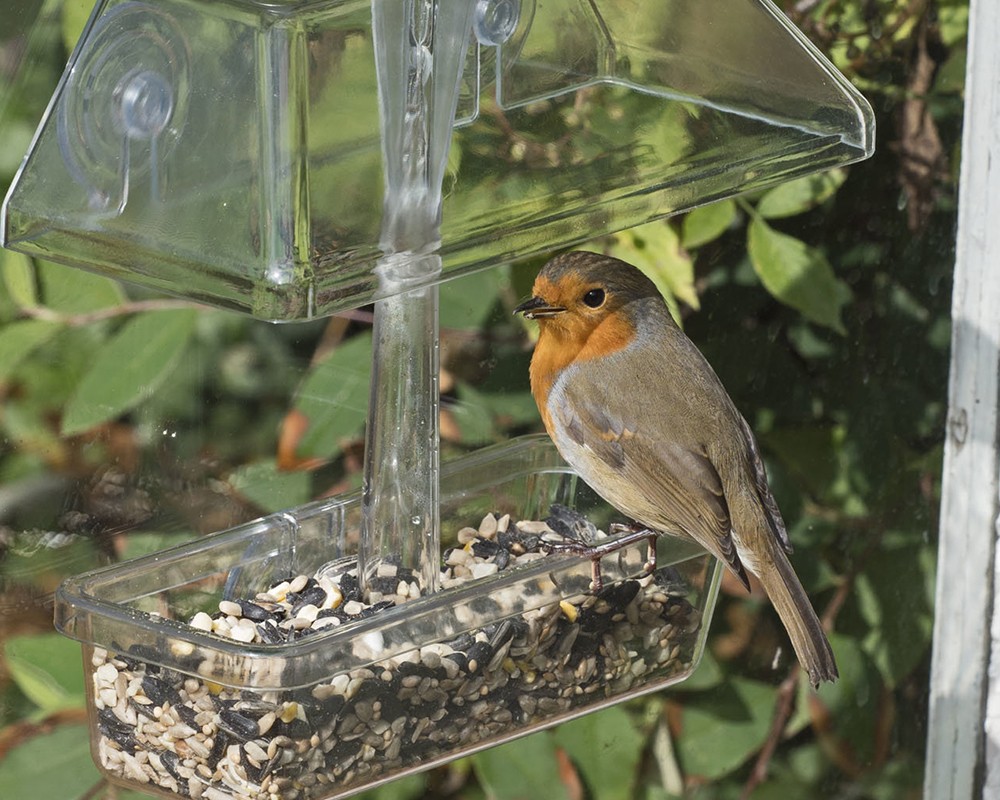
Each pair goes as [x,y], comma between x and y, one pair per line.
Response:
[125,104]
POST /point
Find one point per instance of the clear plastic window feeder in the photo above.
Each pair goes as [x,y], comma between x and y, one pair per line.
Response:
[230,151]
[291,159]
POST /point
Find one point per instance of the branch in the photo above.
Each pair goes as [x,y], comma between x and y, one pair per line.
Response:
[785,702]
[134,307]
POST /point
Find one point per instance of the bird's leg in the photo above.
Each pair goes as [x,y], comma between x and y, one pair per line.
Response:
[640,531]
[595,552]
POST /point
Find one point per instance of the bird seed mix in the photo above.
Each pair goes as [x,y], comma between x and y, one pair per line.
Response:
[195,738]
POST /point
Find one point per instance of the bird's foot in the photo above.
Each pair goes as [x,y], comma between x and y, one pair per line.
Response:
[630,534]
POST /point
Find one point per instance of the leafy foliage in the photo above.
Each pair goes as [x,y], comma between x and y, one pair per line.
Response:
[130,422]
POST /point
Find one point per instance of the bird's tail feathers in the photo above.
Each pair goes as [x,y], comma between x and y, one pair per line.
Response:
[796,612]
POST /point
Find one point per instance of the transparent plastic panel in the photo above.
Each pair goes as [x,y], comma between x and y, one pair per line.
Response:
[181,710]
[230,152]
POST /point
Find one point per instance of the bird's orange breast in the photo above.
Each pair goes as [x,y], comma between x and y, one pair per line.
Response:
[560,345]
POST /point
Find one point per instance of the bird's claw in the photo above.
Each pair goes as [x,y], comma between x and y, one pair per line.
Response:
[630,534]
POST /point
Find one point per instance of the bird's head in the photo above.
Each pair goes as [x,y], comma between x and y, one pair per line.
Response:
[576,293]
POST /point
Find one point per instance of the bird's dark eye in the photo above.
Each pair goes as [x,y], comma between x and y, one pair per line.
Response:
[594,298]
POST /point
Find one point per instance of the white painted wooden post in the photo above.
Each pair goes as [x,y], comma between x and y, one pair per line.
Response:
[963,748]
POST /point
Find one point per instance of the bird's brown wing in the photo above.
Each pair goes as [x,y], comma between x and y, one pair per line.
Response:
[666,484]
[774,520]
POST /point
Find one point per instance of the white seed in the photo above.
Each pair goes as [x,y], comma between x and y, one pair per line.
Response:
[244,631]
[107,674]
[483,569]
[201,621]
[230,609]
[466,535]
[488,527]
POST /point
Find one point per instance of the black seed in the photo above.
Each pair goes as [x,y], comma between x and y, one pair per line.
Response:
[116,730]
[271,633]
[481,653]
[349,587]
[159,691]
[218,748]
[145,655]
[296,729]
[670,579]
[373,610]
[463,642]
[238,725]
[170,760]
[186,713]
[384,584]
[314,595]
[594,623]
[571,523]
[407,668]
[459,658]
[484,548]
[344,749]
[484,606]
[324,712]
[620,594]
[254,612]
[140,709]
[406,574]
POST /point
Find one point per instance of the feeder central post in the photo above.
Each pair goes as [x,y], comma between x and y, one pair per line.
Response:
[420,50]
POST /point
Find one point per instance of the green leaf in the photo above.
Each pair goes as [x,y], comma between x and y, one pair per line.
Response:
[953,24]
[467,302]
[26,426]
[655,248]
[19,339]
[75,14]
[606,747]
[47,667]
[797,275]
[848,703]
[75,291]
[14,144]
[855,681]
[19,278]
[895,595]
[524,768]
[707,675]
[707,223]
[129,368]
[53,766]
[269,488]
[724,728]
[472,413]
[334,398]
[411,787]
[800,195]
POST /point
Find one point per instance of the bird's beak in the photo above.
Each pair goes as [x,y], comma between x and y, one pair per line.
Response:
[537,307]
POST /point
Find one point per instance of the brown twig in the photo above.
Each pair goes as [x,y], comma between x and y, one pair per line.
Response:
[134,307]
[139,306]
[784,706]
[785,702]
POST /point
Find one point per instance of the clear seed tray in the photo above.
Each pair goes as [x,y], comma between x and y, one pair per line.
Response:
[245,664]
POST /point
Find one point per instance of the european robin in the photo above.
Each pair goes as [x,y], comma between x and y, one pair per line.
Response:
[633,406]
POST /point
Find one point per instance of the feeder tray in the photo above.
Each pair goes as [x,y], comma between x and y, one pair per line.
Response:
[178,710]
